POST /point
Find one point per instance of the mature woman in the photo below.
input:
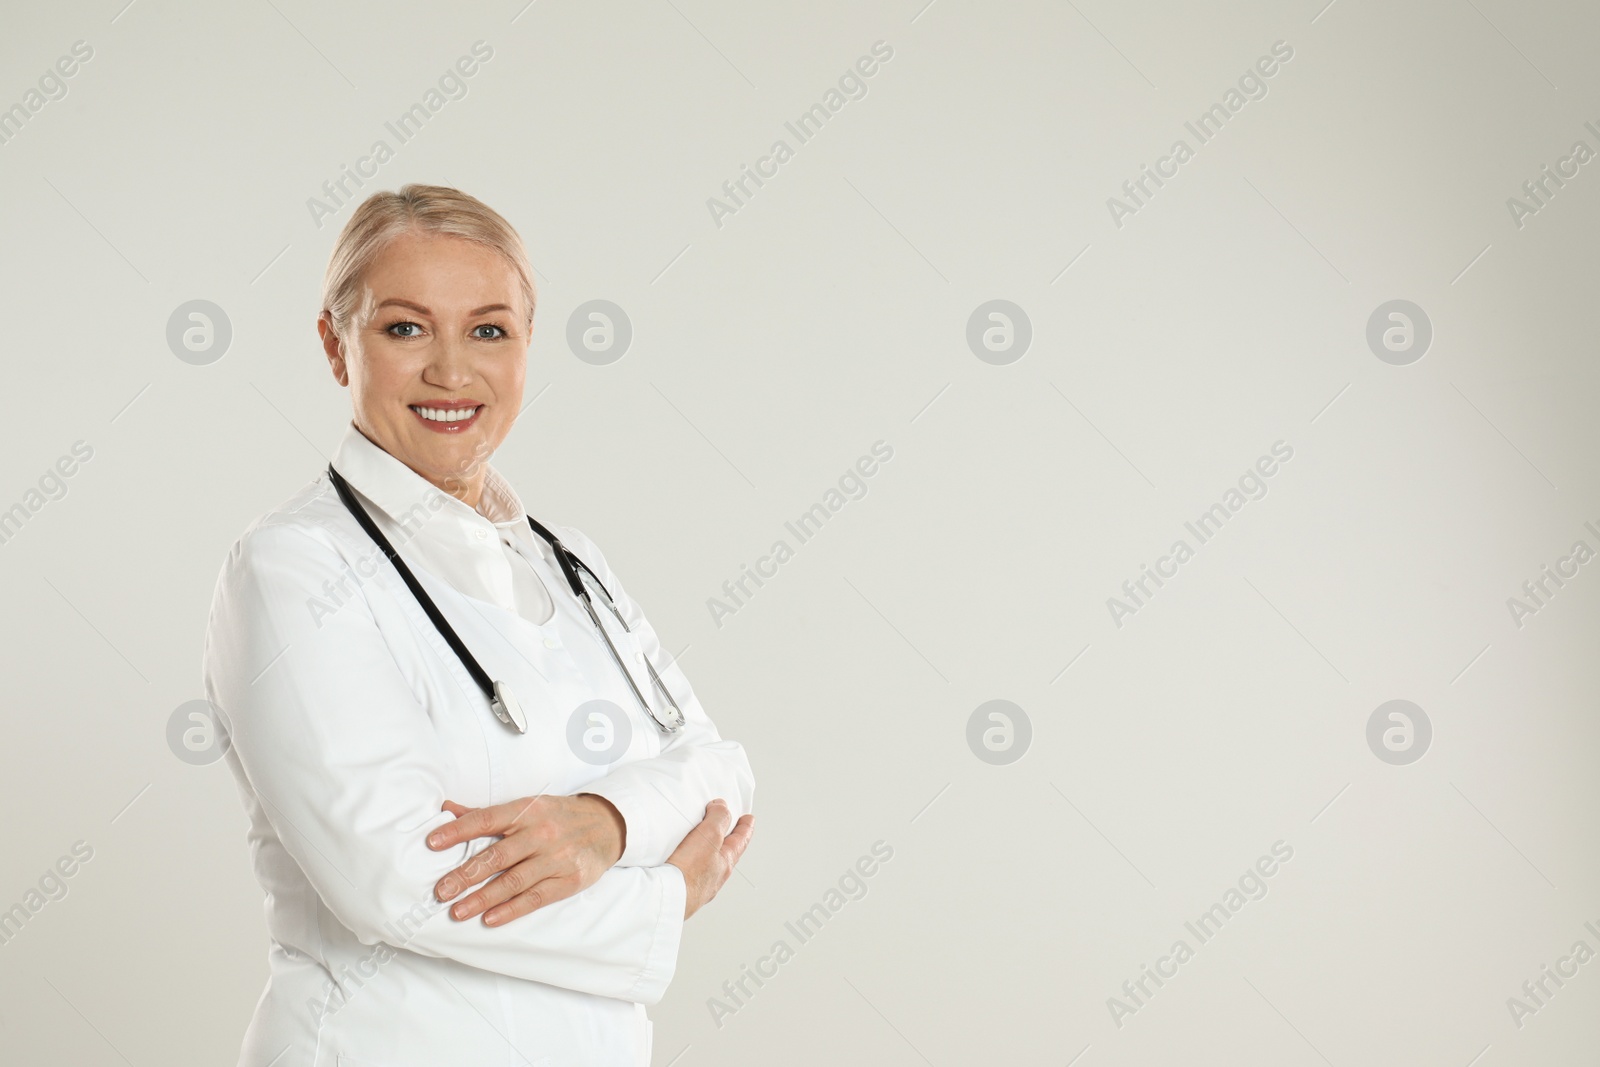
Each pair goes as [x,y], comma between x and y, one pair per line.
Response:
[482,801]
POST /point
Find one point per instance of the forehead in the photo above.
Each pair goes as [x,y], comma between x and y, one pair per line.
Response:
[440,269]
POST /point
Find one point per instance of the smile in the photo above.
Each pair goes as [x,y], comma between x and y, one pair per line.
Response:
[452,419]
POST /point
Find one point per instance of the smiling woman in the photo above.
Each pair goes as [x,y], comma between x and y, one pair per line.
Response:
[421,353]
[520,878]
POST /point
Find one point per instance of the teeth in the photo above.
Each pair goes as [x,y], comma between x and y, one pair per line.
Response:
[445,414]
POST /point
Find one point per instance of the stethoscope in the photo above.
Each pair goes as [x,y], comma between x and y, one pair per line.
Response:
[501,701]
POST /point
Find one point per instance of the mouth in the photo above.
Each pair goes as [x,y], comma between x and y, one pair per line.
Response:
[454,416]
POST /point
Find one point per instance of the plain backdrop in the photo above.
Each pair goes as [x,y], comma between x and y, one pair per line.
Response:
[1173,343]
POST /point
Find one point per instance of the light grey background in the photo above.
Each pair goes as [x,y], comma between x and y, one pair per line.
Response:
[769,354]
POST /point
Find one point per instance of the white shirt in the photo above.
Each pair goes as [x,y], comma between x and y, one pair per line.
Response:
[350,721]
[482,552]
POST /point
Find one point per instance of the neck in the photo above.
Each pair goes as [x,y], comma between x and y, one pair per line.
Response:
[465,485]
[466,488]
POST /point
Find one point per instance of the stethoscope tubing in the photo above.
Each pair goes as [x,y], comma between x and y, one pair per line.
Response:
[500,700]
[468,660]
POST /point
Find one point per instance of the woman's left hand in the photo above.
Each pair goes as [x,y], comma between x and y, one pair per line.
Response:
[550,848]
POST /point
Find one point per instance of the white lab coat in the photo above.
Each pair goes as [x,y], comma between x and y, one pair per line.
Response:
[347,730]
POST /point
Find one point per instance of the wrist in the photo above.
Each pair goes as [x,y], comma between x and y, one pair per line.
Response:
[618,837]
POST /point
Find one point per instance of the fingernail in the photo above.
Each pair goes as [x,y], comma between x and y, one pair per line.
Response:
[492,918]
[447,889]
[436,840]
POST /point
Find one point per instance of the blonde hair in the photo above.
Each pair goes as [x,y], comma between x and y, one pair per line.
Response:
[431,209]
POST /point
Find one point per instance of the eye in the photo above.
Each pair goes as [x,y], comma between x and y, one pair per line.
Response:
[393,326]
[489,337]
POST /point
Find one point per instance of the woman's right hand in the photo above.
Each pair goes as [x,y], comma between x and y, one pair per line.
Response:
[708,853]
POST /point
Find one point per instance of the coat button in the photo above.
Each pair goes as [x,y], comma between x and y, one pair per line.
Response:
[551,642]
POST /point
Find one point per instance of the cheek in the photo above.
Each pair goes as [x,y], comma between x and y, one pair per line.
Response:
[508,381]
[385,374]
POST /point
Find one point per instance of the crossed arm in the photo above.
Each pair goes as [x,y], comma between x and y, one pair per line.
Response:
[326,732]
[642,813]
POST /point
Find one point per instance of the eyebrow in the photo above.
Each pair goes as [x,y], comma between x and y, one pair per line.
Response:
[418,307]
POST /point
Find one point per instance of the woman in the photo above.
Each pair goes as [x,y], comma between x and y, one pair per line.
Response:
[406,728]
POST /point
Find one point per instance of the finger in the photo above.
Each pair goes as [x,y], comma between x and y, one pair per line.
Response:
[473,822]
[720,816]
[734,844]
[529,876]
[545,892]
[703,838]
[508,884]
[455,809]
[499,856]
[711,828]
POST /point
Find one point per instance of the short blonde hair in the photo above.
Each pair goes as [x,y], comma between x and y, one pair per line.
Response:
[432,209]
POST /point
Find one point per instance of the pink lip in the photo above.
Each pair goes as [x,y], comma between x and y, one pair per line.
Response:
[449,405]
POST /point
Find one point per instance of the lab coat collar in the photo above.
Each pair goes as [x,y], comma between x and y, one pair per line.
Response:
[405,496]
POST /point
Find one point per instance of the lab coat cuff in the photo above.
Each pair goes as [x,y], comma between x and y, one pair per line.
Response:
[662,961]
[639,849]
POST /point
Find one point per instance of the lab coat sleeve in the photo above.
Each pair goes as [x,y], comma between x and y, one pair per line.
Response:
[345,760]
[662,798]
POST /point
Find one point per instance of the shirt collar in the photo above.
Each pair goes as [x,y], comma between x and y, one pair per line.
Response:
[404,495]
[500,503]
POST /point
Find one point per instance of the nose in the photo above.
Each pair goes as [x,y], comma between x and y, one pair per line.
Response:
[449,364]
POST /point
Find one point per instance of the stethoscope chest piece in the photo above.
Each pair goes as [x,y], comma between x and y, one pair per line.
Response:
[506,708]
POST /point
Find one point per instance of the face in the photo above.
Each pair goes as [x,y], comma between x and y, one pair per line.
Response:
[435,357]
